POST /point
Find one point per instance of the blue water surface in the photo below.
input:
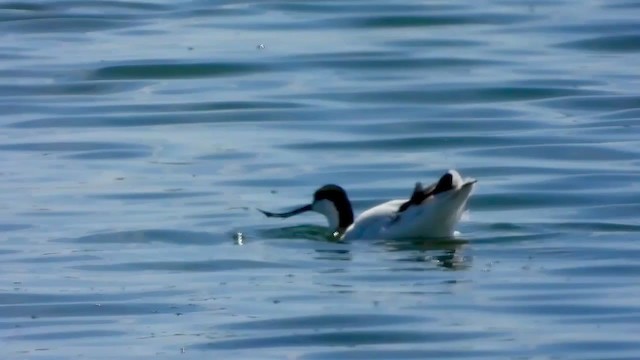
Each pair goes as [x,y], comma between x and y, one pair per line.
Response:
[139,137]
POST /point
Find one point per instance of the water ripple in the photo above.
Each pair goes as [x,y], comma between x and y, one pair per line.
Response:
[63,335]
[465,95]
[87,310]
[616,43]
[84,89]
[151,70]
[325,321]
[441,20]
[344,338]
[180,266]
[148,236]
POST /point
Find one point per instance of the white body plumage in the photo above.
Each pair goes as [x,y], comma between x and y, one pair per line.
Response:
[431,212]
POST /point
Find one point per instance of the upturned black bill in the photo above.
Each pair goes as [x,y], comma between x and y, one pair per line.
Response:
[288,214]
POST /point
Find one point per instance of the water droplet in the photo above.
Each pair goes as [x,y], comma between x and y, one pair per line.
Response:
[239,238]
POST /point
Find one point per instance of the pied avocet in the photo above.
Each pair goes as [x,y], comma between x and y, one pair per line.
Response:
[430,212]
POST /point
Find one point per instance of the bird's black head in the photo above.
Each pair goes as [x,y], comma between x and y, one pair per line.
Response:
[333,202]
[330,192]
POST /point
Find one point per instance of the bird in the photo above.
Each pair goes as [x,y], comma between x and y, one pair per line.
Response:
[430,212]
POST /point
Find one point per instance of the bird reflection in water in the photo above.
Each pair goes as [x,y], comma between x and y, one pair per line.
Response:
[447,254]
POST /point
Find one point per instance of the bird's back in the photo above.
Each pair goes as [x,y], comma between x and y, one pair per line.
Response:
[427,220]
[372,223]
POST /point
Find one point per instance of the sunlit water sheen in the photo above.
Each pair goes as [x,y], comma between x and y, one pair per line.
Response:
[139,137]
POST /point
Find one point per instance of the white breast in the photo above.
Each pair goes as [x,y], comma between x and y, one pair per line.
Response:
[373,223]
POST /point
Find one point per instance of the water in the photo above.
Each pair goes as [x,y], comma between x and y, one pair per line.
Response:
[139,137]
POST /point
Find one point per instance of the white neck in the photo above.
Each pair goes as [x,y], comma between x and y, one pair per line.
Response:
[328,209]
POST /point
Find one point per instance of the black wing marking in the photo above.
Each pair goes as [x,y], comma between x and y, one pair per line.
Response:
[419,194]
[417,197]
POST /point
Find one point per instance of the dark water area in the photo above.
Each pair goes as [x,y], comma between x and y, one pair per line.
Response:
[138,139]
